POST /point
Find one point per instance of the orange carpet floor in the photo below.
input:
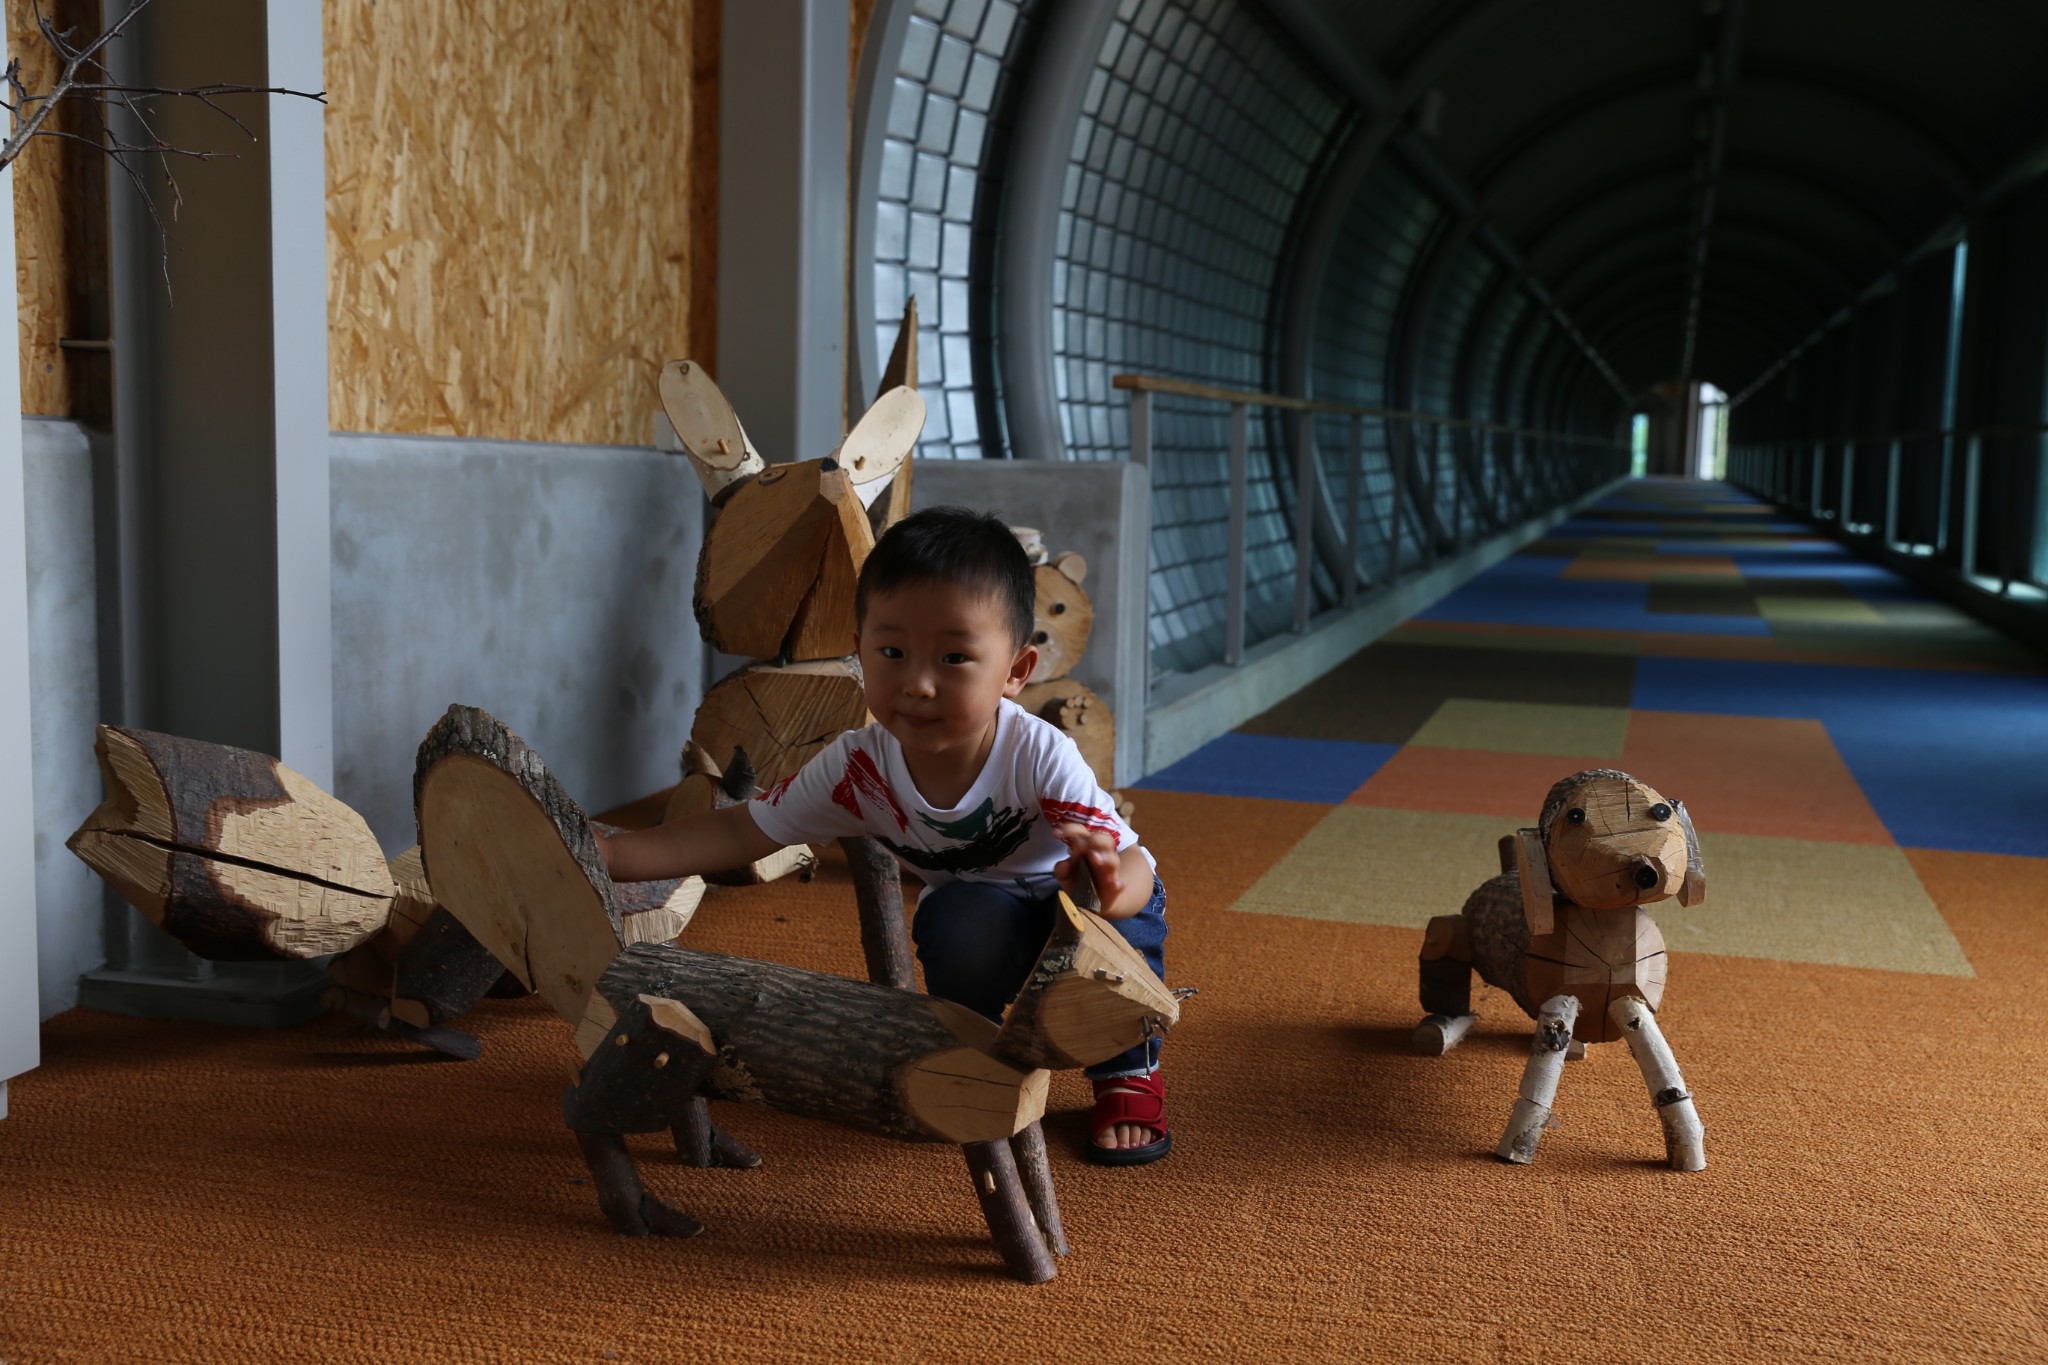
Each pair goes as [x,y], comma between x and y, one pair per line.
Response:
[1876,1127]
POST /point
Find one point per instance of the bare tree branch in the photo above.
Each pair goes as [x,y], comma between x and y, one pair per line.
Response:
[84,79]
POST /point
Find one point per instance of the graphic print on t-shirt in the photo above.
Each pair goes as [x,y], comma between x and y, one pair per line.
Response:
[986,835]
[863,778]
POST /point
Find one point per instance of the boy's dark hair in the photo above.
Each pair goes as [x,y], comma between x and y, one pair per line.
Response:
[953,545]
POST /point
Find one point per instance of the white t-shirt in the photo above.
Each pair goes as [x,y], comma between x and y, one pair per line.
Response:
[999,832]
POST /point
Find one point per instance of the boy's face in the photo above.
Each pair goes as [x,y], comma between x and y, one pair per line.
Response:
[936,659]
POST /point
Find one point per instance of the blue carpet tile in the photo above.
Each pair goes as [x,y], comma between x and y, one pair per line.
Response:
[1275,767]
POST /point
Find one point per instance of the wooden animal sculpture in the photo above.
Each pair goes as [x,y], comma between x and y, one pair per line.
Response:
[775,581]
[241,859]
[661,1028]
[1562,929]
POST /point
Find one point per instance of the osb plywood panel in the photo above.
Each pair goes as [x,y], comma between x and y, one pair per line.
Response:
[59,227]
[521,213]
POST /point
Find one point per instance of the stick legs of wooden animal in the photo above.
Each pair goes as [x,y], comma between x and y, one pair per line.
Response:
[878,891]
[861,1055]
[1539,1080]
[1684,1138]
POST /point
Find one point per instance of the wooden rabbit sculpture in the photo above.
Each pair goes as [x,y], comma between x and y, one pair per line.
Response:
[1563,930]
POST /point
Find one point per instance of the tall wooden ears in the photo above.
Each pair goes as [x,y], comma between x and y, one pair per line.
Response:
[1539,898]
[1693,889]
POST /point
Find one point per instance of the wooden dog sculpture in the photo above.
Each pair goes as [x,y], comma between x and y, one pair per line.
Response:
[1563,930]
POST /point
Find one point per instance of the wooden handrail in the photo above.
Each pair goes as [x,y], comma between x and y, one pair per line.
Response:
[1182,388]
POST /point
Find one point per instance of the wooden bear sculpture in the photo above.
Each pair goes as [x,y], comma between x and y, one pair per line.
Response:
[1563,930]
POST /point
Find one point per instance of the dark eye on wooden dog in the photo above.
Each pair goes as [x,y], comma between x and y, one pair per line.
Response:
[1575,816]
[1660,811]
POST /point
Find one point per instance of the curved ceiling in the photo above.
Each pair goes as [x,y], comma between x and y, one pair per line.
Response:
[1705,183]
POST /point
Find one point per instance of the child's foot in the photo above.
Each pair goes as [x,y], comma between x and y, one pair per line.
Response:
[1129,1125]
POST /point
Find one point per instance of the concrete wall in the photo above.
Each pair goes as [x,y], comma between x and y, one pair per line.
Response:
[1103,510]
[548,584]
[64,701]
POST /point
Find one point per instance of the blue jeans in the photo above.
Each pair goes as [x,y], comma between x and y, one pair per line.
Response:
[978,943]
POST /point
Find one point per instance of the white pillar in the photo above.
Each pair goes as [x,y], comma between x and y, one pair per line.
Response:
[19,1019]
[782,211]
[218,593]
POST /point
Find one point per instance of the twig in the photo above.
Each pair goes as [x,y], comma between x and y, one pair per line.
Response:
[85,79]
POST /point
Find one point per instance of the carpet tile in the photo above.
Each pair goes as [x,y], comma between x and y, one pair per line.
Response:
[1274,767]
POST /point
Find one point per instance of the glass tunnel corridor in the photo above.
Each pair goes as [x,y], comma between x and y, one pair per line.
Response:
[1444,396]
[1853,1006]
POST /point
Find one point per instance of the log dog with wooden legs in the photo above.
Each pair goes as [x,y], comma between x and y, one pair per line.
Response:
[1563,930]
[662,1028]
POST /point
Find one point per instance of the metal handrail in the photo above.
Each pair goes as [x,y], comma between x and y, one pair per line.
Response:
[1150,383]
[1308,475]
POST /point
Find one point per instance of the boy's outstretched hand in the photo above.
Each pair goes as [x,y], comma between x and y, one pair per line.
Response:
[1095,857]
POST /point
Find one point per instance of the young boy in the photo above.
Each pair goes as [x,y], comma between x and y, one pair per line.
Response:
[992,807]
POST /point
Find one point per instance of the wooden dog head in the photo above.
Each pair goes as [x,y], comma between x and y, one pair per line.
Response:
[1605,840]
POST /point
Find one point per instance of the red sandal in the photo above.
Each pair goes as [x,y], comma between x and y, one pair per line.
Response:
[1129,1099]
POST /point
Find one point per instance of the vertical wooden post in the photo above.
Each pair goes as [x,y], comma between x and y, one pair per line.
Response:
[1233,629]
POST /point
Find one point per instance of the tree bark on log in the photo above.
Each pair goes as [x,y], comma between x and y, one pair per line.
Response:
[631,1210]
[993,1169]
[860,1055]
[1090,996]
[513,858]
[230,852]
[1028,1147]
[878,891]
[701,1142]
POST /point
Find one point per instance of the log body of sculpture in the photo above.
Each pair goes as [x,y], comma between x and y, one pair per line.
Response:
[661,1028]
[1563,931]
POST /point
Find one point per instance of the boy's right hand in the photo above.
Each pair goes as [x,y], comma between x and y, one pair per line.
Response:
[713,841]
[1092,876]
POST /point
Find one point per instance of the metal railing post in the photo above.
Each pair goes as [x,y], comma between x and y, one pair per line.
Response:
[1351,528]
[1394,507]
[1432,523]
[1451,437]
[1972,473]
[1233,621]
[1891,495]
[1304,517]
[1141,426]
